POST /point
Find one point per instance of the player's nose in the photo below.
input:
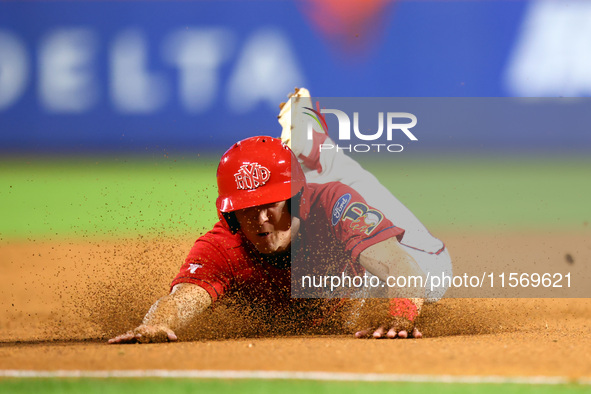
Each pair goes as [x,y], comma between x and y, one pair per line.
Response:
[263,216]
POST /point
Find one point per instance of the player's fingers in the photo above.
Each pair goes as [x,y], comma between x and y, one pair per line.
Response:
[362,333]
[392,333]
[402,334]
[123,338]
[171,336]
[148,334]
[379,333]
[416,333]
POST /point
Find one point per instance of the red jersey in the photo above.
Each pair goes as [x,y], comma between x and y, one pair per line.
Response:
[340,226]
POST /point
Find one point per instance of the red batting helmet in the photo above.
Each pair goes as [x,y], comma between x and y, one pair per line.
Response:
[257,171]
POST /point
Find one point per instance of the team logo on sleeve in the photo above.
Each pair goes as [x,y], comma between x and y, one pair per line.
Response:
[363,218]
[251,176]
[339,208]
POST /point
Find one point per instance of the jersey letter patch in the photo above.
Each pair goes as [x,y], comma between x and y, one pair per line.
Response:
[363,219]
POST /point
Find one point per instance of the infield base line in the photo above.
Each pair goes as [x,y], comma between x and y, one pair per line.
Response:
[292,375]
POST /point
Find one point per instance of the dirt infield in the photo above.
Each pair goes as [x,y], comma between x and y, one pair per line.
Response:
[61,300]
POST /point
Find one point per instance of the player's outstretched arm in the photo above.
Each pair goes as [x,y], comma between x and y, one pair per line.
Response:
[394,319]
[169,314]
[387,258]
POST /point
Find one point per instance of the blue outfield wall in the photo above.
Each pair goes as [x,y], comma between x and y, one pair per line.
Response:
[195,75]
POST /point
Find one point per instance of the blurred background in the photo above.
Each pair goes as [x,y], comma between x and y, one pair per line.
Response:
[132,76]
[113,113]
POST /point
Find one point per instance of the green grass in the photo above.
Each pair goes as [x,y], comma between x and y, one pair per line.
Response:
[105,197]
[109,197]
[154,386]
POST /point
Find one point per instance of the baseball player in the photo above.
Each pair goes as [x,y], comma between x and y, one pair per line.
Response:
[273,222]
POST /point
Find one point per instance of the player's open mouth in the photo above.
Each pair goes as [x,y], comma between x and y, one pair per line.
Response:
[264,234]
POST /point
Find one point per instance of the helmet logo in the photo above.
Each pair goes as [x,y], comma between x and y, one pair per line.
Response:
[251,176]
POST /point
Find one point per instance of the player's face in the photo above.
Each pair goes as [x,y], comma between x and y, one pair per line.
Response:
[269,227]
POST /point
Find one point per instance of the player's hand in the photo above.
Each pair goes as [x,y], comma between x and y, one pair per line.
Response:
[146,334]
[392,333]
[399,328]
